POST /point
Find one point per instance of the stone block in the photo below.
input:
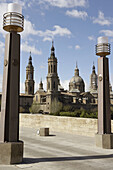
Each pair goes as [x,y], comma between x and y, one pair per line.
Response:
[104,141]
[44,131]
[11,152]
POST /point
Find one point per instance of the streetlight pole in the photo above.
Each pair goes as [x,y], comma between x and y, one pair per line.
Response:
[104,138]
[13,22]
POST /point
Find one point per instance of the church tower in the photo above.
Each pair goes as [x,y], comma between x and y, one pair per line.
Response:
[52,77]
[93,80]
[29,83]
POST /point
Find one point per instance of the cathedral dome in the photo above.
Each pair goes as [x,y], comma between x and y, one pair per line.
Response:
[76,82]
[76,79]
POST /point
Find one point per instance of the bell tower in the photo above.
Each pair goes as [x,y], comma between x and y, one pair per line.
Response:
[29,83]
[52,77]
[93,79]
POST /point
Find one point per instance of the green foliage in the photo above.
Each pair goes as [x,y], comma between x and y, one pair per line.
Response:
[35,108]
[21,109]
[67,108]
[55,107]
[78,113]
[70,114]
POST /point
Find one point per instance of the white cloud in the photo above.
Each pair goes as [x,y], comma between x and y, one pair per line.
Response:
[22,87]
[91,38]
[28,29]
[108,33]
[47,34]
[77,47]
[47,39]
[27,48]
[101,20]
[65,84]
[65,3]
[77,14]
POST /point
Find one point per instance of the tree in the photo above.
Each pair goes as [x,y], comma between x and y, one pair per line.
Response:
[55,107]
[35,107]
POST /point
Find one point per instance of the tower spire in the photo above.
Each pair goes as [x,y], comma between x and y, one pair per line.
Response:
[52,50]
[76,70]
[30,58]
[93,68]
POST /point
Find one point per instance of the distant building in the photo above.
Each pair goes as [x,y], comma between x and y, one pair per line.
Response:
[29,82]
[75,96]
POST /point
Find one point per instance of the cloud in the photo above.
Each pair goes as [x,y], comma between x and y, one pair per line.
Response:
[65,84]
[47,39]
[108,33]
[91,38]
[77,14]
[101,20]
[58,31]
[28,29]
[22,87]
[27,48]
[77,47]
[47,35]
[65,3]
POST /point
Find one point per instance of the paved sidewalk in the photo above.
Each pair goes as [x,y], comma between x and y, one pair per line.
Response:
[61,151]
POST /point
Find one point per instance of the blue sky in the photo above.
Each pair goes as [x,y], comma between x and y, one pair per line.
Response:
[74,25]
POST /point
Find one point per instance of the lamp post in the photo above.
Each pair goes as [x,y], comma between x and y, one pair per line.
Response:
[10,147]
[104,138]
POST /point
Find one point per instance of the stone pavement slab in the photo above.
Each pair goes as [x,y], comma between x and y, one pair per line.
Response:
[61,151]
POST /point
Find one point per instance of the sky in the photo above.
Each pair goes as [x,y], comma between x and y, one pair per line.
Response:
[74,25]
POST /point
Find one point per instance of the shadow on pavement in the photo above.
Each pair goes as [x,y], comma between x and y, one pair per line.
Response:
[55,159]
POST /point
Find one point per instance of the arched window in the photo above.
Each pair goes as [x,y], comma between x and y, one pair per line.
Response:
[51,68]
[54,68]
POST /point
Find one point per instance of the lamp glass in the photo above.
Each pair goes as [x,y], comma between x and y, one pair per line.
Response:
[13,7]
[102,40]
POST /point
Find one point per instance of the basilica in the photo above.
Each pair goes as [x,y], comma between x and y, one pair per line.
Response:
[75,96]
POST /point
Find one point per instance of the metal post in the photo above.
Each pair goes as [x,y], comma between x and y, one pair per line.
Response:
[104,117]
[9,121]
